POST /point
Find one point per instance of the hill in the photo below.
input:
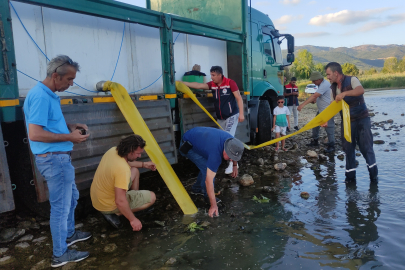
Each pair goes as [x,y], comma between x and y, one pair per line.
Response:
[364,56]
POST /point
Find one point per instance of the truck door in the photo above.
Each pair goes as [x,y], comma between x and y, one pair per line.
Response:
[269,71]
[257,62]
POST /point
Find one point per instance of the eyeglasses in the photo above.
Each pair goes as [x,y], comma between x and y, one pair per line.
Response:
[68,61]
[280,102]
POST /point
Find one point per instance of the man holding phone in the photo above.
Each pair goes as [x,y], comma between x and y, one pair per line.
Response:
[206,147]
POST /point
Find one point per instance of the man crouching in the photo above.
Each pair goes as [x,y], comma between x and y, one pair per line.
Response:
[115,188]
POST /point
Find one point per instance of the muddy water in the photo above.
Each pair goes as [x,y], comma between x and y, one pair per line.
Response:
[347,226]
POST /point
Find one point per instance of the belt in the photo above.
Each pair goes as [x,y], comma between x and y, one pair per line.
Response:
[55,153]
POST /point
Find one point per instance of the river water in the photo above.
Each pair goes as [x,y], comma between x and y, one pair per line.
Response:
[340,226]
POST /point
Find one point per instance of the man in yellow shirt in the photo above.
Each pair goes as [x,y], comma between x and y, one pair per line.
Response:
[115,188]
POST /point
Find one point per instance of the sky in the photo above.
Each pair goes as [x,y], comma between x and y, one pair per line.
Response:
[344,23]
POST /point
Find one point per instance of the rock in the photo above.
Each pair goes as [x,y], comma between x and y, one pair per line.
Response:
[6,260]
[24,225]
[246,180]
[386,150]
[69,266]
[35,226]
[384,113]
[114,235]
[312,154]
[92,220]
[341,157]
[124,263]
[392,143]
[305,195]
[371,114]
[44,223]
[41,265]
[295,146]
[22,245]
[376,134]
[394,150]
[267,148]
[378,142]
[109,248]
[249,214]
[40,239]
[78,226]
[161,223]
[268,189]
[260,161]
[205,224]
[275,158]
[280,166]
[358,154]
[390,121]
[402,114]
[323,157]
[27,237]
[171,261]
[10,234]
[3,250]
[268,173]
[170,207]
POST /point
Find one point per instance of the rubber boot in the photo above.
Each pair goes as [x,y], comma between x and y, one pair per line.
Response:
[313,142]
[331,148]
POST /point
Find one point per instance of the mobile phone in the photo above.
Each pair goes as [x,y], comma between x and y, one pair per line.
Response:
[82,130]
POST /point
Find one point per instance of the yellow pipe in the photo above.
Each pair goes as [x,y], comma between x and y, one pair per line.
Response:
[153,150]
[321,118]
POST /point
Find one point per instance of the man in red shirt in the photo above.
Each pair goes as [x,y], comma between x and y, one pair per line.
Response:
[291,93]
[227,101]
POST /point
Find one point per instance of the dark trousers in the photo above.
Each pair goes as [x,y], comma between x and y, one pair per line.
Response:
[361,135]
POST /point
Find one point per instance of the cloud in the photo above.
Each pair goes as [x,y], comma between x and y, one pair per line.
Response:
[311,34]
[346,17]
[390,20]
[263,3]
[287,19]
[312,3]
[290,2]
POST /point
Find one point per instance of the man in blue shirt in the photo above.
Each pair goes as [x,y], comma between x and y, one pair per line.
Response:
[51,141]
[206,147]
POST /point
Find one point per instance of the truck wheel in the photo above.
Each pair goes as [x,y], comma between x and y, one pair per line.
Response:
[264,122]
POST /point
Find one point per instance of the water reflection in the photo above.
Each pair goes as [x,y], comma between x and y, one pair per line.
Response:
[362,213]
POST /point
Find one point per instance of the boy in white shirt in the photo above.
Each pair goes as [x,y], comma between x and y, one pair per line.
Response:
[281,121]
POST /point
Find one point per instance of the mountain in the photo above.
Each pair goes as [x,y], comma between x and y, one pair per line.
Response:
[364,56]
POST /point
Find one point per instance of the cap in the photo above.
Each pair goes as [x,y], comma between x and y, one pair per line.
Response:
[234,149]
[315,75]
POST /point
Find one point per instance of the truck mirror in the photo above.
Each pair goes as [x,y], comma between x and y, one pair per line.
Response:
[290,44]
[290,58]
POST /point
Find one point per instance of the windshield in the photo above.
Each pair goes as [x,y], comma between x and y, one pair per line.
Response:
[277,52]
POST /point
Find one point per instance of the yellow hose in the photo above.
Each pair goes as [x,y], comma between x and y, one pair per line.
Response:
[152,148]
[321,118]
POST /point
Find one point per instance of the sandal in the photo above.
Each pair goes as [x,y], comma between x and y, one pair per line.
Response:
[285,149]
[276,149]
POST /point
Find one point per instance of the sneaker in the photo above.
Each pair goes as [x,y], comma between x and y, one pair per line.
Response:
[229,170]
[296,128]
[197,192]
[77,237]
[313,143]
[71,255]
[207,200]
[114,220]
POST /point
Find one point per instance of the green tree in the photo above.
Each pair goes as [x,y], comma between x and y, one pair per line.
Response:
[321,68]
[350,69]
[390,65]
[371,71]
[303,64]
[401,65]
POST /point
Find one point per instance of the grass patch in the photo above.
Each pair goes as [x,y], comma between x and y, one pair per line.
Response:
[383,80]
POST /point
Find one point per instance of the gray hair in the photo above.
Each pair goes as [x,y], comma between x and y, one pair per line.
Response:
[59,65]
[334,66]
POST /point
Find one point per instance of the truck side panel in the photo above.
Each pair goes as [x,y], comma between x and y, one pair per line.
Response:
[192,116]
[107,126]
[6,193]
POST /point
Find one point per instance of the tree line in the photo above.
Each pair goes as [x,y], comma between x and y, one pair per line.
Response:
[304,65]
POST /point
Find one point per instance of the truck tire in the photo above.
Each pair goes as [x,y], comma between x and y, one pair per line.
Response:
[264,122]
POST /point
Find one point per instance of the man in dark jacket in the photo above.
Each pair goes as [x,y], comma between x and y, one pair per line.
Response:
[350,90]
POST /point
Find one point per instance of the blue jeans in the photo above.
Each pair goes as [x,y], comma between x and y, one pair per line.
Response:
[330,130]
[63,195]
[361,135]
[201,163]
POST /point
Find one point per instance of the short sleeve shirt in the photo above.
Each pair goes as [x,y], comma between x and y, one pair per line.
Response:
[324,100]
[354,81]
[281,116]
[112,172]
[42,107]
[208,143]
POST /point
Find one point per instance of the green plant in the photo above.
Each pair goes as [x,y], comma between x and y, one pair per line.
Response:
[262,200]
[192,227]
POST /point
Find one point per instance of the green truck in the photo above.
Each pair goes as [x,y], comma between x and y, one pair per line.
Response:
[165,39]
